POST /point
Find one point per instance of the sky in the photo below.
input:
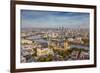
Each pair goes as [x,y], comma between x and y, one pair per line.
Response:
[54,19]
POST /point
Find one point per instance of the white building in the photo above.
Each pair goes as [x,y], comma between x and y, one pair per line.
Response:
[25,41]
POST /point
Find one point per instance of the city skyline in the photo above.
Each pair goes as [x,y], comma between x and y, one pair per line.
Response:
[53,19]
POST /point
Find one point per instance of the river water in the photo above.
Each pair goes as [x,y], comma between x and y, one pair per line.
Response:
[39,39]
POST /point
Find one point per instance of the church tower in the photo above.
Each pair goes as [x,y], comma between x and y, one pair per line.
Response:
[66,45]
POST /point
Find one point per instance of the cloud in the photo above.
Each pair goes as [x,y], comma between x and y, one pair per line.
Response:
[34,18]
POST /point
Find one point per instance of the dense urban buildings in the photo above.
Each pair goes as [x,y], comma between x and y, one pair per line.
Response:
[54,36]
[54,44]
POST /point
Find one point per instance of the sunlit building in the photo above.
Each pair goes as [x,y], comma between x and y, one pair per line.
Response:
[44,51]
[25,41]
[66,45]
[58,44]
